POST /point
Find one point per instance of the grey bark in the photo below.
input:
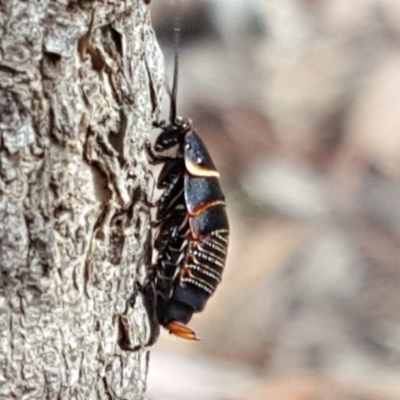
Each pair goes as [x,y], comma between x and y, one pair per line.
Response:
[80,83]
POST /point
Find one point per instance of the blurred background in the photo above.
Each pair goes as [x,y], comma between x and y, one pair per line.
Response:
[299,104]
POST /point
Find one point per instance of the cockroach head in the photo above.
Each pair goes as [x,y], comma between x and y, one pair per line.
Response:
[182,125]
[172,134]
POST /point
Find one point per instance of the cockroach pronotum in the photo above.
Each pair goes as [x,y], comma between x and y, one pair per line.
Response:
[193,229]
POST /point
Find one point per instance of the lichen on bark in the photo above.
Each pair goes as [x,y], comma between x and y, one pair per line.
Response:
[80,84]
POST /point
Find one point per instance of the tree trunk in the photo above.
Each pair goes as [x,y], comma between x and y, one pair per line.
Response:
[80,83]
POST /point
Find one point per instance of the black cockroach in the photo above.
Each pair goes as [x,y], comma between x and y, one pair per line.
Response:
[191,220]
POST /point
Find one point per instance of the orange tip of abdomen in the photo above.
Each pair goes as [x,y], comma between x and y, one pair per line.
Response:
[181,330]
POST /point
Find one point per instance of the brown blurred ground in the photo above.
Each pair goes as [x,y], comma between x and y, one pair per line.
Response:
[299,102]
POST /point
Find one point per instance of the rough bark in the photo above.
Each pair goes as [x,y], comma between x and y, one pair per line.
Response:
[79,88]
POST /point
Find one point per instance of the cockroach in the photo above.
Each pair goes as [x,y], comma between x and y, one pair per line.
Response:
[191,220]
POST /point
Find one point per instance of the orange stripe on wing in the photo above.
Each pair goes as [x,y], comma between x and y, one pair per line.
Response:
[204,205]
[200,170]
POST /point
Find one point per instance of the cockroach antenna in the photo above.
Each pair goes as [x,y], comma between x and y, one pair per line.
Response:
[174,93]
[177,37]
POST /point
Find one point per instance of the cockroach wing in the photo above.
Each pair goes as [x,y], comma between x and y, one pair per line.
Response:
[198,161]
[210,220]
[201,193]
